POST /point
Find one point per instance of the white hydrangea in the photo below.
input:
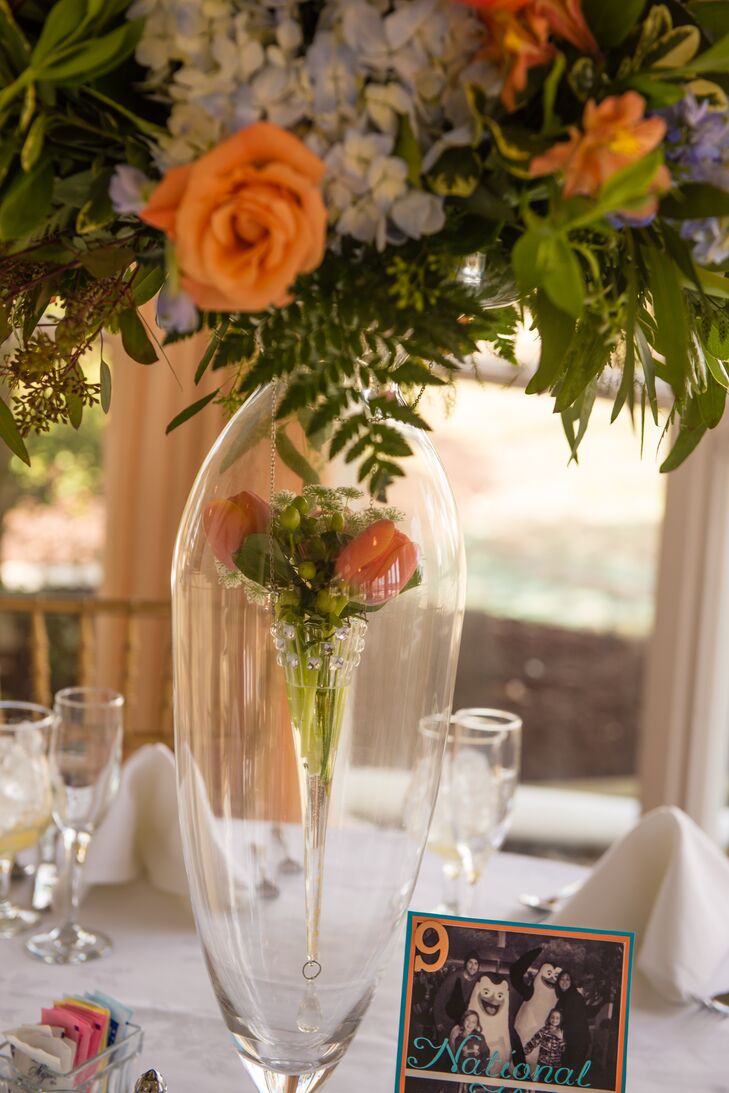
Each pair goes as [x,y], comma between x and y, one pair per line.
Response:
[375,69]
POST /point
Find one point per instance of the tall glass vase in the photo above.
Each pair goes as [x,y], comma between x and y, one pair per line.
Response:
[310,647]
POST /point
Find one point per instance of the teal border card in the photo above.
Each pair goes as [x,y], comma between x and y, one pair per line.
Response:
[423,955]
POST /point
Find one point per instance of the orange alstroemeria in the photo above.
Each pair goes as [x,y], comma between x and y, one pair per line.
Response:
[378,563]
[229,521]
[519,33]
[614,134]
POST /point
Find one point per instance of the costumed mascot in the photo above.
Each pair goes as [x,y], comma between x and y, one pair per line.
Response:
[490,999]
[539,994]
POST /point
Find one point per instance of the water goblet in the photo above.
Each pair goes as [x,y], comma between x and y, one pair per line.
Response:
[87,752]
[476,797]
[26,791]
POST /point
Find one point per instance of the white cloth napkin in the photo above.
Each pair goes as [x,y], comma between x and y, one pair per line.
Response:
[141,832]
[667,882]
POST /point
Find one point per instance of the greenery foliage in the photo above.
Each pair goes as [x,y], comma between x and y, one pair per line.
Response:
[603,290]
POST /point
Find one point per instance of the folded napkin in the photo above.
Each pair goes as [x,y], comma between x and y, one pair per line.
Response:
[667,882]
[141,832]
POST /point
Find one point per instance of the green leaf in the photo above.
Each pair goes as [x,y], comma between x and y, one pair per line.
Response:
[73,190]
[714,61]
[563,280]
[687,439]
[547,261]
[8,150]
[711,15]
[12,38]
[33,144]
[611,21]
[694,201]
[62,24]
[675,49]
[138,345]
[98,211]
[669,309]
[26,203]
[717,369]
[712,401]
[456,173]
[105,261]
[189,411]
[295,461]
[210,351]
[75,407]
[147,283]
[628,187]
[556,330]
[105,384]
[10,433]
[258,556]
[89,60]
[407,147]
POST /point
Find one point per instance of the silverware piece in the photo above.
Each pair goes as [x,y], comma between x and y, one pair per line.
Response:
[22,872]
[287,864]
[266,886]
[46,873]
[151,1082]
[549,904]
[718,1004]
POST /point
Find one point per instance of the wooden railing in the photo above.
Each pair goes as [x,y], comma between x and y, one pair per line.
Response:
[125,640]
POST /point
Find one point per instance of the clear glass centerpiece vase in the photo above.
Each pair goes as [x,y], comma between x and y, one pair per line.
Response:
[314,631]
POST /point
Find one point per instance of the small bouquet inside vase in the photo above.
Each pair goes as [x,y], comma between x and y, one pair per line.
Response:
[322,567]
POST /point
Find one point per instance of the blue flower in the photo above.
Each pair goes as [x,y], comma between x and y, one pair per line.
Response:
[129,189]
[176,311]
[710,238]
[697,142]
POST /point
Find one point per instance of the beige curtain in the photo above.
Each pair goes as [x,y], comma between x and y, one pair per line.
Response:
[148,476]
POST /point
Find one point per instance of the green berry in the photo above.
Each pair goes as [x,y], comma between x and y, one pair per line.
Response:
[325,602]
[338,521]
[307,571]
[290,518]
[289,598]
[302,505]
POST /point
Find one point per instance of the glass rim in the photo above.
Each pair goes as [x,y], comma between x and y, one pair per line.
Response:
[484,719]
[43,720]
[474,731]
[82,698]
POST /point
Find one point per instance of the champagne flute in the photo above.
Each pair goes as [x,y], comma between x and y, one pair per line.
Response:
[87,751]
[26,791]
[476,798]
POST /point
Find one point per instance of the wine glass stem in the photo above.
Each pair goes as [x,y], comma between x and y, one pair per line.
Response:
[76,844]
[6,868]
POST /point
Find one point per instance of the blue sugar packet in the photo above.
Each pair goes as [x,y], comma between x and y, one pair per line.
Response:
[120,1015]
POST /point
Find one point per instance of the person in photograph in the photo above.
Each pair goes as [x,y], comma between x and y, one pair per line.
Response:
[549,1042]
[537,985]
[467,1038]
[452,996]
[575,1020]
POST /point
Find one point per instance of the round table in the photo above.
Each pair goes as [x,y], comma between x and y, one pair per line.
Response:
[157,969]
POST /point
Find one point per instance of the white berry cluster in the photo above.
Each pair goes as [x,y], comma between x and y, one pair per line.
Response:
[379,92]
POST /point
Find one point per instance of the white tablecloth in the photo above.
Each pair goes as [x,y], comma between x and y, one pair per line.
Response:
[157,968]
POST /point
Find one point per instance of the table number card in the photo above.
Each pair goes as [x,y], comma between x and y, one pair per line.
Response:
[496,1007]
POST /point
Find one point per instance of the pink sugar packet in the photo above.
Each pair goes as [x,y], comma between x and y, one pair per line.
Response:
[99,1022]
[75,1026]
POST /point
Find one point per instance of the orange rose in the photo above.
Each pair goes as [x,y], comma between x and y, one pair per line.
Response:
[246,219]
[519,32]
[378,563]
[614,134]
[228,523]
